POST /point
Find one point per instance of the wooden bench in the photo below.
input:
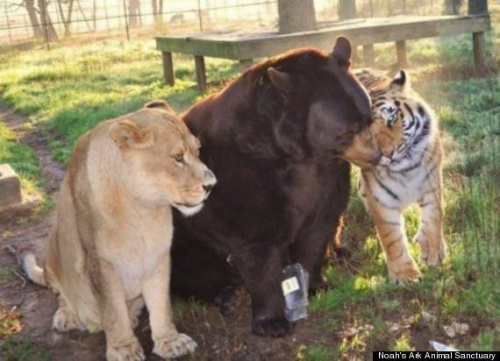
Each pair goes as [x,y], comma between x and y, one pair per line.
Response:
[244,46]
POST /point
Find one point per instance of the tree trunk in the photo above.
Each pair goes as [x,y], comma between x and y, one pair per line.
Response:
[35,24]
[452,7]
[296,15]
[157,11]
[49,32]
[347,9]
[133,13]
[478,7]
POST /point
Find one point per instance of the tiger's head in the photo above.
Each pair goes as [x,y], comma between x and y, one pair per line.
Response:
[401,118]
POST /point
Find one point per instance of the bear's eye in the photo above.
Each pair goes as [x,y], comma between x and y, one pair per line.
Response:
[179,158]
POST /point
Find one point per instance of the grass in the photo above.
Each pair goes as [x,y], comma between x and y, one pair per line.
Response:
[68,90]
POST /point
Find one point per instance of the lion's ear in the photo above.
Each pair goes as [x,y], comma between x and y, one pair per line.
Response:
[158,104]
[127,134]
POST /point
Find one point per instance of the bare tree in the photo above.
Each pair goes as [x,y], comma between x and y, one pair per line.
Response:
[296,15]
[347,9]
[40,20]
[66,18]
[157,6]
[134,12]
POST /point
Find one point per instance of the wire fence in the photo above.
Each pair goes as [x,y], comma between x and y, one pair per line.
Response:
[25,21]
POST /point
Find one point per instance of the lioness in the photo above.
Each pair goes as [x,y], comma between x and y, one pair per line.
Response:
[109,251]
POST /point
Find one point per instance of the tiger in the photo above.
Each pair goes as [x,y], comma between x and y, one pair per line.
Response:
[410,171]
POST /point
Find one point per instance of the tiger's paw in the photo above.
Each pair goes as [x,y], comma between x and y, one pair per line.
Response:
[431,253]
[403,272]
[168,347]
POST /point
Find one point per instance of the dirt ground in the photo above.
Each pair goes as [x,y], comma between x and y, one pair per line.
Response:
[219,337]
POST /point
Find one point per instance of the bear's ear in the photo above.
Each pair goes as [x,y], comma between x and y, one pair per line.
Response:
[126,134]
[400,82]
[341,53]
[280,80]
[159,104]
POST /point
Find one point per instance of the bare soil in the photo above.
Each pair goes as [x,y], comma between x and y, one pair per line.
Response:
[219,337]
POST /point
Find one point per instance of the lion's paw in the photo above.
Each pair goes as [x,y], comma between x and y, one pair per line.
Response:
[64,320]
[167,347]
[130,352]
[403,272]
[432,253]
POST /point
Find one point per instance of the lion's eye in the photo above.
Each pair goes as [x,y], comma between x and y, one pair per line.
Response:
[179,158]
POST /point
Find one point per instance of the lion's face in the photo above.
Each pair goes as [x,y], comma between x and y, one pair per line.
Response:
[160,164]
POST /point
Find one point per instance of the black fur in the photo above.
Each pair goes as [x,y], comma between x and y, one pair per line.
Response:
[281,189]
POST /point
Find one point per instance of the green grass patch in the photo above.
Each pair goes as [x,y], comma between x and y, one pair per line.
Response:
[14,348]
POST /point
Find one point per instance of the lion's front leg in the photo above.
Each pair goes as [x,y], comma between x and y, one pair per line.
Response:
[168,343]
[121,344]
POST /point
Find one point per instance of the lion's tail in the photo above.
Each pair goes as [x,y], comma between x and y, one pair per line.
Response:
[32,269]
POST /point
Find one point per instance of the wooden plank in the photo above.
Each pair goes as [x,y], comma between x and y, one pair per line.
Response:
[370,31]
[201,77]
[369,54]
[401,54]
[168,68]
[479,49]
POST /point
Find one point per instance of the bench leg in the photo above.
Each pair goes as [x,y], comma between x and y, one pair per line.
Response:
[245,64]
[478,42]
[401,53]
[168,68]
[369,55]
[201,77]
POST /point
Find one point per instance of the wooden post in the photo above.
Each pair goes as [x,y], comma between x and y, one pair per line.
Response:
[201,78]
[479,46]
[168,68]
[369,55]
[478,7]
[401,53]
[296,15]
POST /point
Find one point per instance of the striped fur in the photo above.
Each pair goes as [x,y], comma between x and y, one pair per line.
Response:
[409,172]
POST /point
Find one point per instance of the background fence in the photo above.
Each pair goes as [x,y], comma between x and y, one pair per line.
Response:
[25,21]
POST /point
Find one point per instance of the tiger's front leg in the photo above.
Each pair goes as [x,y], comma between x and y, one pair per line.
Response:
[430,237]
[400,264]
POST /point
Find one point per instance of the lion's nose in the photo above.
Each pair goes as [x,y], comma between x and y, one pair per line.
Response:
[209,180]
[208,187]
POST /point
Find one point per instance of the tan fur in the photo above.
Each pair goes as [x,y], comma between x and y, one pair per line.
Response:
[405,175]
[109,252]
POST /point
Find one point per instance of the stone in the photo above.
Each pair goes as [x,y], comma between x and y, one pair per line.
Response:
[10,186]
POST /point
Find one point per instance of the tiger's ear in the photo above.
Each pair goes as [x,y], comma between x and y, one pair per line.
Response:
[126,134]
[400,82]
